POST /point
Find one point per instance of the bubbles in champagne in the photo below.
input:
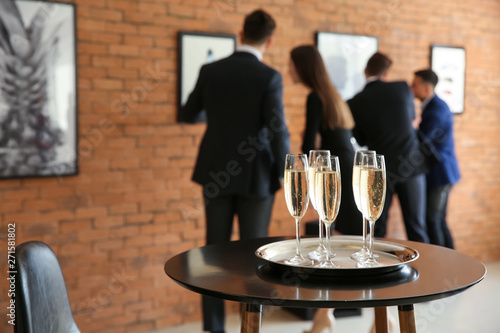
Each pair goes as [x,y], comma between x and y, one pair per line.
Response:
[296,192]
[328,190]
[356,170]
[311,172]
[372,192]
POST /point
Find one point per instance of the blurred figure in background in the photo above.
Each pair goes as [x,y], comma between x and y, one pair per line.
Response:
[436,128]
[328,116]
[383,113]
[242,156]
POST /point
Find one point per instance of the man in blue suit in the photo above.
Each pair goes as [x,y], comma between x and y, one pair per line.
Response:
[241,159]
[436,128]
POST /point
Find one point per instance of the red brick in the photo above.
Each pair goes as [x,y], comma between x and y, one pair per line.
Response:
[107,84]
[75,225]
[124,50]
[112,62]
[157,9]
[91,212]
[22,194]
[100,37]
[91,48]
[111,15]
[139,218]
[124,207]
[123,28]
[126,5]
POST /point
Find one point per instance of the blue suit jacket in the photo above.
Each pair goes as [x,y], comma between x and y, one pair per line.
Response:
[437,126]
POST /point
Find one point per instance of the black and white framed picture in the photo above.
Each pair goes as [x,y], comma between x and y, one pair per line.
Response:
[38,93]
[345,57]
[195,50]
[448,62]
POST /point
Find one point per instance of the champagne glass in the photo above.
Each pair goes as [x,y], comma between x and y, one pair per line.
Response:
[320,252]
[297,198]
[328,190]
[362,254]
[372,186]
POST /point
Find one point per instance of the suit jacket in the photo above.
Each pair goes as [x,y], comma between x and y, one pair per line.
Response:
[437,127]
[383,113]
[246,141]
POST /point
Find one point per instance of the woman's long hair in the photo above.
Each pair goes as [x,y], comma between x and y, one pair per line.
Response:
[312,72]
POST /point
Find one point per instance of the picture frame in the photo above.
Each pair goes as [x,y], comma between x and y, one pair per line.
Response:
[345,57]
[38,89]
[196,49]
[449,63]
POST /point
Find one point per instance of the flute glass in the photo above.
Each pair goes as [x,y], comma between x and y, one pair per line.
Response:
[372,187]
[362,254]
[328,194]
[320,253]
[297,199]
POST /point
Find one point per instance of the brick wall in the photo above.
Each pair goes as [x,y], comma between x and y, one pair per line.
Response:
[133,205]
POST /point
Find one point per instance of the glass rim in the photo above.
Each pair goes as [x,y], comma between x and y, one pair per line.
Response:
[320,150]
[296,154]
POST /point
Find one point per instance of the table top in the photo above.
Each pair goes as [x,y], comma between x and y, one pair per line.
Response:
[233,272]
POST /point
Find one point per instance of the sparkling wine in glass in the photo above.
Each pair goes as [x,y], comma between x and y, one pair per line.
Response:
[362,254]
[328,194]
[320,253]
[372,187]
[297,199]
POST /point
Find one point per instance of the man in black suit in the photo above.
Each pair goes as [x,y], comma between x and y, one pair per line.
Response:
[383,113]
[242,156]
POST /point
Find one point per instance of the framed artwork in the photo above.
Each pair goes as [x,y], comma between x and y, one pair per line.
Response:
[345,57]
[38,91]
[195,50]
[448,62]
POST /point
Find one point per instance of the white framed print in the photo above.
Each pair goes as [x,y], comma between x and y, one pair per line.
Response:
[345,57]
[448,62]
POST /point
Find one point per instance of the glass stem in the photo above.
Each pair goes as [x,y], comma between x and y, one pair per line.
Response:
[327,240]
[297,236]
[320,232]
[365,233]
[370,249]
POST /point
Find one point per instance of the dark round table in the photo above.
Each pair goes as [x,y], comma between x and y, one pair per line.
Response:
[233,272]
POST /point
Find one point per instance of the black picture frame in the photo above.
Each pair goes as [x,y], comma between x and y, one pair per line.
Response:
[196,49]
[38,89]
[449,63]
[345,57]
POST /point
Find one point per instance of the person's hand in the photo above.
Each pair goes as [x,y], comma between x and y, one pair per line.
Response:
[415,123]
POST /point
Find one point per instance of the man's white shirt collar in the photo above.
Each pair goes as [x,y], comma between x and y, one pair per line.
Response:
[371,79]
[426,101]
[251,50]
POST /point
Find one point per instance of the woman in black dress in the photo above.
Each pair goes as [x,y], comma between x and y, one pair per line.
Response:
[329,116]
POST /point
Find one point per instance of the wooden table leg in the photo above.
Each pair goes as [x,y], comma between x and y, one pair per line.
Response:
[251,318]
[407,319]
[381,325]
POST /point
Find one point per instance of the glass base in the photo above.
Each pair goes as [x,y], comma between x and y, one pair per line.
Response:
[328,264]
[319,254]
[363,255]
[315,255]
[370,262]
[299,260]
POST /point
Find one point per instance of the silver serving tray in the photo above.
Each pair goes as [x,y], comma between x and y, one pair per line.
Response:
[392,256]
